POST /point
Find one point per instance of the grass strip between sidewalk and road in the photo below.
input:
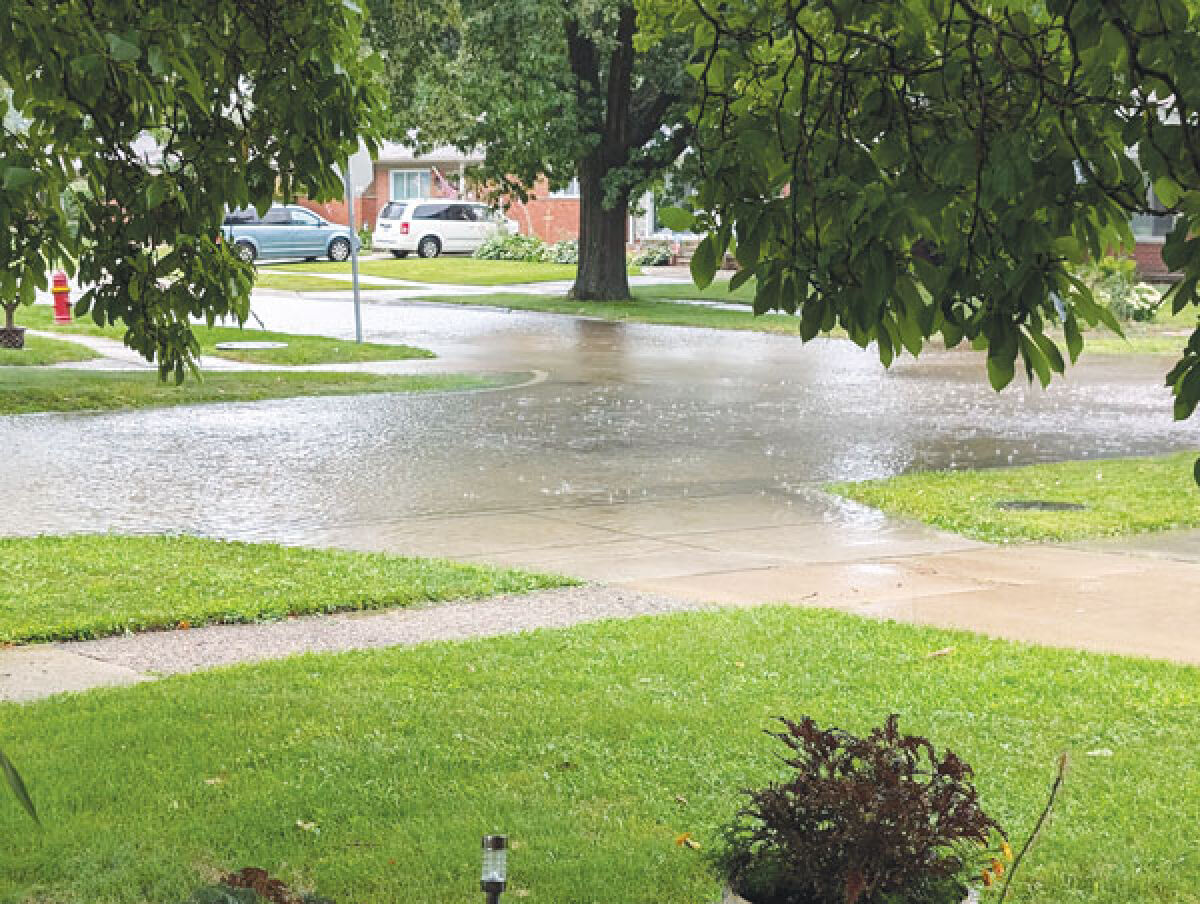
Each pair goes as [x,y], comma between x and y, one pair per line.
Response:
[81,586]
[656,310]
[40,351]
[29,390]
[462,271]
[300,349]
[370,776]
[1120,496]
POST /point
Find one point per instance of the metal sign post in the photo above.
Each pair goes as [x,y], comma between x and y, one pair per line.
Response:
[358,332]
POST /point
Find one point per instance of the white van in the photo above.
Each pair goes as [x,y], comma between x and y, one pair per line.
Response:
[432,226]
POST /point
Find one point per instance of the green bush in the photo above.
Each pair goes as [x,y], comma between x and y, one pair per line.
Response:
[564,252]
[652,256]
[511,248]
[1114,283]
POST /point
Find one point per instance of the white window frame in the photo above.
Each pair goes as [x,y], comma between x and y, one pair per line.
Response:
[424,182]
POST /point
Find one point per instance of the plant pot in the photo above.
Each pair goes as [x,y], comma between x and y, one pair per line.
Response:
[12,338]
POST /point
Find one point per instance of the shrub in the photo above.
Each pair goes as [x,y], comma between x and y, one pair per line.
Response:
[875,820]
[564,252]
[364,238]
[652,256]
[511,248]
[1114,283]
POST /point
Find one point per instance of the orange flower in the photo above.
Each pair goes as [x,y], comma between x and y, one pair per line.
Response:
[986,875]
[997,867]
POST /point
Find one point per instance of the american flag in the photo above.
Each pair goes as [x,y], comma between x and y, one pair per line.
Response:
[446,188]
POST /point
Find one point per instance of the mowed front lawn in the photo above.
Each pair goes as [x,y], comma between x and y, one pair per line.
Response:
[371,776]
[61,588]
[40,351]
[451,269]
[1118,496]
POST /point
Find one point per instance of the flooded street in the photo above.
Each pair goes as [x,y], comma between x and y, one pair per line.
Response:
[628,413]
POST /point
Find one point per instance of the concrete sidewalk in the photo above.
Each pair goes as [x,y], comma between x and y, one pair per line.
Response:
[1140,597]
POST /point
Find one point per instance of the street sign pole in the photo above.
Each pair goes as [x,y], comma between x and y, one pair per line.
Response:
[358,332]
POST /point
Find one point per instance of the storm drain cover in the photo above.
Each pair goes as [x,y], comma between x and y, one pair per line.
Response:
[1039,505]
[251,345]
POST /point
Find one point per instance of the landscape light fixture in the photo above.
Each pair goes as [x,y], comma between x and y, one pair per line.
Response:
[495,867]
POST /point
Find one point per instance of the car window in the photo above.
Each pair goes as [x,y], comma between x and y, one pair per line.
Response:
[431,212]
[241,217]
[304,218]
[393,210]
[278,216]
[477,212]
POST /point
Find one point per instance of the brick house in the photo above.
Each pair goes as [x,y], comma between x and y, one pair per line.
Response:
[401,173]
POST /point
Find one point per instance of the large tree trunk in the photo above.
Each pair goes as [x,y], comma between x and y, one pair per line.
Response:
[602,274]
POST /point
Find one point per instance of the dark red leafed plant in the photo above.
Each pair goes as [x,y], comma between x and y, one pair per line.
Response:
[881,819]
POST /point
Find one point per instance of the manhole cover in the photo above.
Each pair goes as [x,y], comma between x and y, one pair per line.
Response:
[1039,505]
[251,345]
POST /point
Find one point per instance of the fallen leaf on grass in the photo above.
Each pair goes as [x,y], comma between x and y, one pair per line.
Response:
[686,840]
[307,826]
[944,651]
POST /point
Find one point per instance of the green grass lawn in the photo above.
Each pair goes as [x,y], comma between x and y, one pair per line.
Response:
[1166,334]
[643,309]
[1122,496]
[309,282]
[718,290]
[371,776]
[59,588]
[29,389]
[464,271]
[41,351]
[300,349]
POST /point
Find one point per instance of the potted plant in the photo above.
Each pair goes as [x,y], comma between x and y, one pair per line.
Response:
[881,819]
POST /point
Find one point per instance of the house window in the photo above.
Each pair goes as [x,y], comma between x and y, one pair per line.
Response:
[571,190]
[410,184]
[1152,226]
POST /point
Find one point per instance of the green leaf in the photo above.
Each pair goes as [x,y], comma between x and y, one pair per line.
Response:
[17,177]
[740,278]
[676,218]
[704,263]
[1000,367]
[17,784]
[1073,336]
[121,50]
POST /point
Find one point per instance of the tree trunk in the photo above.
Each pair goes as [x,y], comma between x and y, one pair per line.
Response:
[602,274]
[10,310]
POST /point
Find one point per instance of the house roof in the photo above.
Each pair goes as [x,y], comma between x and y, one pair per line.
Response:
[393,152]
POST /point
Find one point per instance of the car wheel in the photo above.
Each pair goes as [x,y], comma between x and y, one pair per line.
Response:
[429,246]
[245,251]
[339,249]
[399,254]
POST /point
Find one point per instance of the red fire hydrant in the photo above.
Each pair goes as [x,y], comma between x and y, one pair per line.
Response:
[62,298]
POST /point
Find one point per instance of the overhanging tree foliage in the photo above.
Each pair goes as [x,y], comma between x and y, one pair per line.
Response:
[243,100]
[544,87]
[927,167]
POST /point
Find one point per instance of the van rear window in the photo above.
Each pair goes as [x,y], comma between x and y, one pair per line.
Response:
[431,212]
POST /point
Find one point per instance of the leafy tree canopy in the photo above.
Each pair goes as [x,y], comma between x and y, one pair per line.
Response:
[130,126]
[938,167]
[551,88]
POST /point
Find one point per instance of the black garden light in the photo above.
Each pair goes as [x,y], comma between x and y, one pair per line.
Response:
[495,866]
